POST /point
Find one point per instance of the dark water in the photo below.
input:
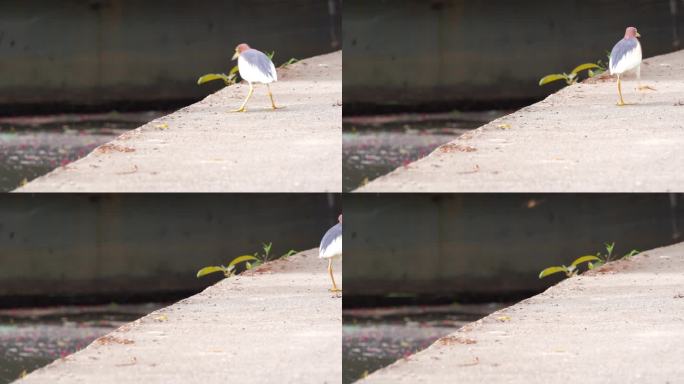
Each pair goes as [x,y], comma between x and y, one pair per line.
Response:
[33,146]
[376,145]
[33,338]
[376,338]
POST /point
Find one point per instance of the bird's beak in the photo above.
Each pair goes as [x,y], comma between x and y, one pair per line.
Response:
[236,55]
[638,34]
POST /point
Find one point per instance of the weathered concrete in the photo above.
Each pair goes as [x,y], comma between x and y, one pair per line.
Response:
[622,324]
[91,53]
[576,140]
[207,148]
[488,245]
[456,53]
[277,324]
[120,245]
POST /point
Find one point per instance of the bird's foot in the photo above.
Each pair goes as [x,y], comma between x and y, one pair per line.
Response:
[243,109]
[274,107]
[334,290]
[621,103]
[646,88]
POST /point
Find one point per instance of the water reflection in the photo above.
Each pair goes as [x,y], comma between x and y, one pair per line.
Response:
[376,145]
[375,338]
[33,146]
[33,338]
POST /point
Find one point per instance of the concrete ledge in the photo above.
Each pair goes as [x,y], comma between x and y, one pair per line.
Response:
[623,323]
[207,148]
[576,140]
[277,324]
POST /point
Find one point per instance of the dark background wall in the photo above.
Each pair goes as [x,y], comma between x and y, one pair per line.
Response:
[128,245]
[437,54]
[492,245]
[131,52]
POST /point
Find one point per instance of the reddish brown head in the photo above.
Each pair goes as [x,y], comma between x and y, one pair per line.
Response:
[239,49]
[631,32]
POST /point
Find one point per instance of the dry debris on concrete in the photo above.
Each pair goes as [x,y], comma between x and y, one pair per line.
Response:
[276,324]
[622,323]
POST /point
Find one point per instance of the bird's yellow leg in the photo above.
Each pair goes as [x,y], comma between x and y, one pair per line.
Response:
[642,87]
[242,108]
[619,84]
[271,96]
[330,271]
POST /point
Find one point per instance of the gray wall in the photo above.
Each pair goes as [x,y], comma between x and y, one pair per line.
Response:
[126,51]
[460,52]
[491,244]
[133,244]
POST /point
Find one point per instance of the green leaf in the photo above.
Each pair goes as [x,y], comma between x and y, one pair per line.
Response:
[289,253]
[234,70]
[289,62]
[207,270]
[584,67]
[551,270]
[609,248]
[551,78]
[631,253]
[212,77]
[584,259]
[241,259]
[267,248]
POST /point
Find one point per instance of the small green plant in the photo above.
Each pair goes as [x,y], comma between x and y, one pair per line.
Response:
[250,261]
[233,76]
[572,77]
[569,271]
[608,256]
[289,62]
[592,261]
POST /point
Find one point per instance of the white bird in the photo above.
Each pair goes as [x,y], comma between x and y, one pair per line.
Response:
[625,56]
[255,67]
[331,248]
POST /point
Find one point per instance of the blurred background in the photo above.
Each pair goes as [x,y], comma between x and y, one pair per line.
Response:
[419,266]
[75,267]
[96,68]
[435,69]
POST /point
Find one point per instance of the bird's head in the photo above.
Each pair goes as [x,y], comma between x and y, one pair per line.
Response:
[631,32]
[340,219]
[239,49]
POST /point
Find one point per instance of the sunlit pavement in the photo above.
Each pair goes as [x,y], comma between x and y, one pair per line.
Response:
[276,323]
[625,317]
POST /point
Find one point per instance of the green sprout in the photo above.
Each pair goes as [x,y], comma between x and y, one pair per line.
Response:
[573,76]
[251,261]
[572,270]
[593,261]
